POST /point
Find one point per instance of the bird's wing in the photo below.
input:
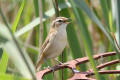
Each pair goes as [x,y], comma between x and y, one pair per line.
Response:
[49,40]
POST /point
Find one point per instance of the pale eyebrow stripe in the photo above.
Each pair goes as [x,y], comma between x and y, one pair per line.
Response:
[58,19]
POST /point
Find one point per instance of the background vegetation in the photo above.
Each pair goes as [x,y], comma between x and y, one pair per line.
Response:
[24,25]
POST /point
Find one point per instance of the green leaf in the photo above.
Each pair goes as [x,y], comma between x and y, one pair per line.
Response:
[86,38]
[1,52]
[4,59]
[4,36]
[117,19]
[3,40]
[28,27]
[72,39]
[104,6]
[37,28]
[3,63]
[83,27]
[18,59]
[16,56]
[11,77]
[36,21]
[82,5]
[18,16]
[36,7]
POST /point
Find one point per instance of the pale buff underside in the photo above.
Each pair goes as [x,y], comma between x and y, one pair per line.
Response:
[57,45]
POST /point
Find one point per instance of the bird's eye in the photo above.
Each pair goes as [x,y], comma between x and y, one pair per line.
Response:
[59,20]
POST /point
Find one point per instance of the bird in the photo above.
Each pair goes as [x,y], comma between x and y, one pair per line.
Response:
[55,42]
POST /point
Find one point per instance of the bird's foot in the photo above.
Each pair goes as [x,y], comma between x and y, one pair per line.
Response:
[60,63]
[51,68]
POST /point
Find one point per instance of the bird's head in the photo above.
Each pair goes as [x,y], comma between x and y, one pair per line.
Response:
[60,22]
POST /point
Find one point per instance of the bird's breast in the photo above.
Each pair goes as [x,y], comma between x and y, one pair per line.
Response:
[58,45]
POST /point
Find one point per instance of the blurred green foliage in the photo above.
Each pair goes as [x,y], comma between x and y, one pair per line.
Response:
[89,33]
[1,51]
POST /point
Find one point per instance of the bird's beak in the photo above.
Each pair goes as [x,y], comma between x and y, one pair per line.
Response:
[68,20]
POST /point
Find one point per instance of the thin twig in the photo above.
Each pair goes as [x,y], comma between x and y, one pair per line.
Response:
[62,59]
[55,4]
[57,9]
[41,24]
[115,40]
[58,14]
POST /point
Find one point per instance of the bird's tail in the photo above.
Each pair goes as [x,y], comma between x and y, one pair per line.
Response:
[39,63]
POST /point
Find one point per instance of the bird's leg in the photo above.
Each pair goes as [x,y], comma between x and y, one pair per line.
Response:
[46,62]
[58,61]
[52,68]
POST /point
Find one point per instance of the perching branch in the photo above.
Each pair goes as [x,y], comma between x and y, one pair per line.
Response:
[83,75]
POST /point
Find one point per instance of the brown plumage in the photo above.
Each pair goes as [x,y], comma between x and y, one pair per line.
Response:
[55,41]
